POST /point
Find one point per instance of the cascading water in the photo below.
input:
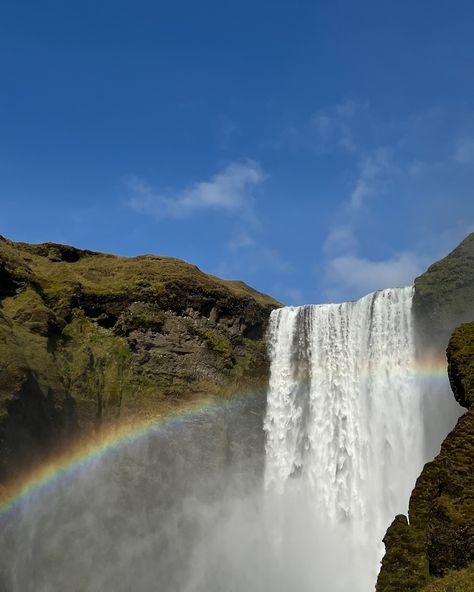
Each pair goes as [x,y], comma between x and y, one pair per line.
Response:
[187,510]
[344,420]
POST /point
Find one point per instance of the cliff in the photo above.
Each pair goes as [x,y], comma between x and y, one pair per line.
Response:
[439,537]
[444,295]
[88,338]
[433,550]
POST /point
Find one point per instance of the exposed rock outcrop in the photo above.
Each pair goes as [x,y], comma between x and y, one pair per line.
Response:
[439,537]
[87,338]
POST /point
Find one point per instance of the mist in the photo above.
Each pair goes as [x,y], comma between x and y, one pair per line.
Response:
[287,490]
[181,510]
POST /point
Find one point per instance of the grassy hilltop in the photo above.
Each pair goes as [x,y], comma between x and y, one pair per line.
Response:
[87,338]
[444,294]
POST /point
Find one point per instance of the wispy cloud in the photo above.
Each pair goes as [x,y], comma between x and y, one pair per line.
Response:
[346,272]
[327,130]
[246,252]
[332,127]
[396,167]
[358,275]
[376,169]
[464,153]
[241,240]
[341,238]
[229,190]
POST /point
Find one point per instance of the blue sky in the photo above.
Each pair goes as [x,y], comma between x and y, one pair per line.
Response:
[316,150]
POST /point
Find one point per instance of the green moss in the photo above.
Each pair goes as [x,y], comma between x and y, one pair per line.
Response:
[254,356]
[461,364]
[138,278]
[24,326]
[88,338]
[142,315]
[94,365]
[444,294]
[218,343]
[456,581]
[441,530]
[405,565]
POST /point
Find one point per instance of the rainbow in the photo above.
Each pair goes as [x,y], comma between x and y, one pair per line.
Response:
[84,453]
[427,370]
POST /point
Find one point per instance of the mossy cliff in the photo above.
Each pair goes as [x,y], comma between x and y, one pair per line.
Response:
[444,295]
[439,537]
[433,550]
[88,338]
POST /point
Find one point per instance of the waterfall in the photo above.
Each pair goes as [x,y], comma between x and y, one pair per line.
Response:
[343,423]
[182,509]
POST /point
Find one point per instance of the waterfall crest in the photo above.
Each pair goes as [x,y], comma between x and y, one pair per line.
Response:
[343,418]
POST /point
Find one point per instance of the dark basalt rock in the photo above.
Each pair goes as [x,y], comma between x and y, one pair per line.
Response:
[8,286]
[461,364]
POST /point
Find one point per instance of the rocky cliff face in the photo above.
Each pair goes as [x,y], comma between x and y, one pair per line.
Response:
[433,550]
[88,338]
[439,537]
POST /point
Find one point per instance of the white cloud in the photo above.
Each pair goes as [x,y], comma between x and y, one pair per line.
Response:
[418,163]
[464,153]
[230,190]
[375,171]
[348,275]
[356,276]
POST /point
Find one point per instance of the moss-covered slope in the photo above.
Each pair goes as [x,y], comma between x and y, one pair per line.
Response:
[444,295]
[438,541]
[87,338]
[460,354]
